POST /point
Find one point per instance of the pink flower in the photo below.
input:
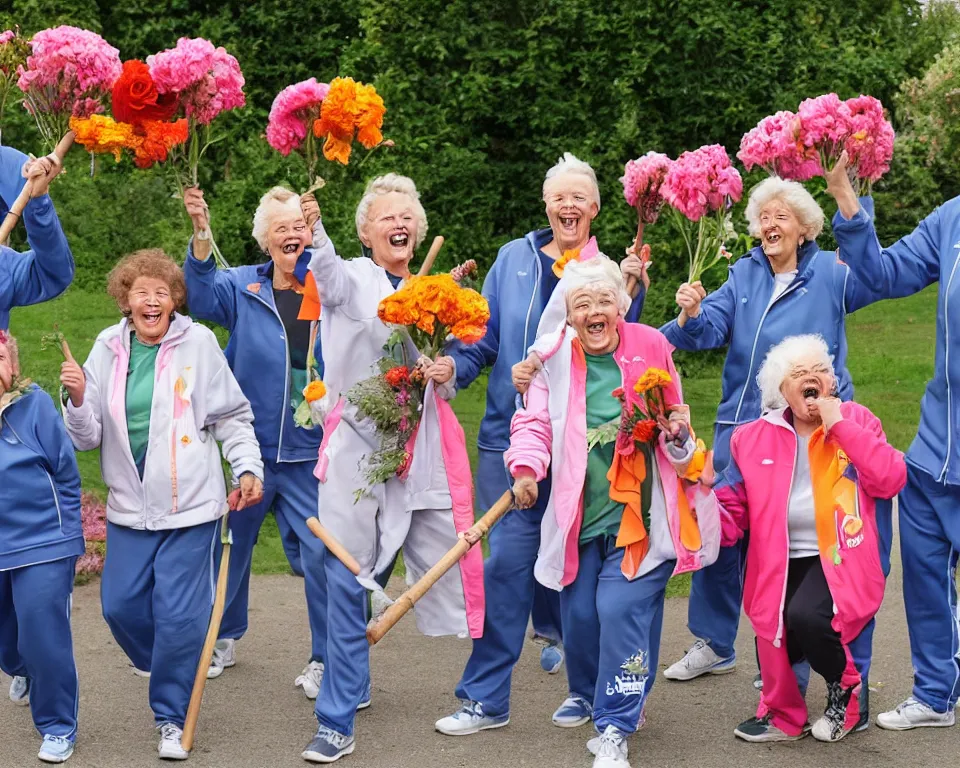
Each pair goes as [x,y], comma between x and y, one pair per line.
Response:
[6,36]
[773,146]
[824,121]
[292,114]
[642,179]
[702,181]
[93,518]
[208,79]
[870,144]
[90,563]
[68,72]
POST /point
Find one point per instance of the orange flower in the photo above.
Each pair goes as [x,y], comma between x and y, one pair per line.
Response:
[561,263]
[370,119]
[643,431]
[315,391]
[397,377]
[426,301]
[349,110]
[101,134]
[651,379]
[697,463]
[157,139]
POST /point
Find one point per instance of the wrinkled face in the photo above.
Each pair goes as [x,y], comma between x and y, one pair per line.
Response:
[391,231]
[151,306]
[287,234]
[806,381]
[571,209]
[8,368]
[780,230]
[593,312]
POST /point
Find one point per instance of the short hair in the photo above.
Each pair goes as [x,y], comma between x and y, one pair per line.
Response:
[780,361]
[261,222]
[570,164]
[7,340]
[794,196]
[598,272]
[149,262]
[384,185]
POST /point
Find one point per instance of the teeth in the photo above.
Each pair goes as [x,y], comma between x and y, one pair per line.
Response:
[398,240]
[290,248]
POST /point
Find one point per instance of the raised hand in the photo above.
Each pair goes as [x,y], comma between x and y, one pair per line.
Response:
[636,266]
[841,189]
[72,377]
[197,209]
[42,171]
[828,408]
[689,297]
[310,208]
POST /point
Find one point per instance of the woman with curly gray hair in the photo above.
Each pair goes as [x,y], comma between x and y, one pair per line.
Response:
[785,285]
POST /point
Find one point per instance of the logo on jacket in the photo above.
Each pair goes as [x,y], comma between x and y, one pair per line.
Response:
[633,680]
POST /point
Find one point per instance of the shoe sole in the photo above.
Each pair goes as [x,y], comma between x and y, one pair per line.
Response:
[363,705]
[912,727]
[767,740]
[572,723]
[316,757]
[721,670]
[168,756]
[211,675]
[55,759]
[24,702]
[472,731]
[554,669]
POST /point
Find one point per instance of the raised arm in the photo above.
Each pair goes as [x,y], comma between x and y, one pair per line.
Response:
[82,415]
[211,292]
[335,284]
[710,326]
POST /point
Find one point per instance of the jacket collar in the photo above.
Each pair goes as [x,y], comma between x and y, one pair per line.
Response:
[265,270]
[806,257]
[120,333]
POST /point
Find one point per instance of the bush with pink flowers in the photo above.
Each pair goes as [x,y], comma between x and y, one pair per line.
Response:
[93,516]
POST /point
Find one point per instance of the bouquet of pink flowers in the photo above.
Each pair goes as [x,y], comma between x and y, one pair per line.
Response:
[642,179]
[700,187]
[68,73]
[772,145]
[13,55]
[290,125]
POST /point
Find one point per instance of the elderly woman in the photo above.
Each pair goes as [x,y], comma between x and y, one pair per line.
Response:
[270,313]
[156,395]
[40,539]
[424,513]
[784,286]
[45,271]
[930,502]
[518,288]
[618,522]
[813,467]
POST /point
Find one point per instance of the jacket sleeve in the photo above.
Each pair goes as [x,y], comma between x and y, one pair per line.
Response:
[335,284]
[712,327]
[229,418]
[58,450]
[906,267]
[211,292]
[636,306]
[731,494]
[83,424]
[881,468]
[531,434]
[471,359]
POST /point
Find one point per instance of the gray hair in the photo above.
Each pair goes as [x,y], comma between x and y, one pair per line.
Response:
[569,164]
[598,272]
[261,222]
[384,185]
[780,361]
[794,196]
[7,340]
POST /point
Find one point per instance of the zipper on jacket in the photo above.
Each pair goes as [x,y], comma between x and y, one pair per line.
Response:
[946,365]
[53,487]
[786,530]
[533,296]
[286,378]
[756,339]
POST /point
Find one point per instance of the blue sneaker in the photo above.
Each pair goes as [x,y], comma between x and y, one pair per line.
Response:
[56,749]
[551,658]
[572,713]
[470,719]
[20,691]
[328,746]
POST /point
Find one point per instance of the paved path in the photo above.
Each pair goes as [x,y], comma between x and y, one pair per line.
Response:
[253,717]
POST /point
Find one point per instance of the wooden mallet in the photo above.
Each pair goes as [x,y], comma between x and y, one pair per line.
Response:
[10,221]
[408,599]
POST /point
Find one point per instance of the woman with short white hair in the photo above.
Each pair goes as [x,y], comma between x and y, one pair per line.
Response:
[270,310]
[785,285]
[813,466]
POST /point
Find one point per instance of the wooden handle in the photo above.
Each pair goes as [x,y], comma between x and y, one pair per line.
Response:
[431,256]
[333,545]
[10,221]
[408,599]
[206,655]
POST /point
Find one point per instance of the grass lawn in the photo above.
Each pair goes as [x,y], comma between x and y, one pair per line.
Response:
[891,359]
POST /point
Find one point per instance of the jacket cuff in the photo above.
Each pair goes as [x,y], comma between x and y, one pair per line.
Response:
[861,219]
[243,466]
[206,265]
[320,238]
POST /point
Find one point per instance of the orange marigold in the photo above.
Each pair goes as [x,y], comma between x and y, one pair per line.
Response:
[397,377]
[370,117]
[101,134]
[652,378]
[157,140]
[349,110]
[561,263]
[315,391]
[643,431]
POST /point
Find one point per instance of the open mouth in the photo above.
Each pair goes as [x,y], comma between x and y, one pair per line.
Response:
[810,391]
[399,240]
[151,318]
[597,329]
[569,223]
[772,238]
[291,247]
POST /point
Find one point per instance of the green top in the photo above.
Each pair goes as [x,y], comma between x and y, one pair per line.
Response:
[140,377]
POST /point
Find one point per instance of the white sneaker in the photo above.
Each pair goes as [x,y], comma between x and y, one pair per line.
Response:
[141,673]
[20,691]
[310,679]
[914,714]
[55,749]
[170,747]
[700,660]
[470,719]
[611,749]
[224,655]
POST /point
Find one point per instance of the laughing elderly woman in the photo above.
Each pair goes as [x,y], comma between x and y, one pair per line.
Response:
[422,514]
[518,288]
[812,466]
[267,310]
[619,519]
[784,286]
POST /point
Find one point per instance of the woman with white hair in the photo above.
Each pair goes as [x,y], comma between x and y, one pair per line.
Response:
[786,285]
[812,467]
[270,310]
[518,288]
[423,513]
[622,517]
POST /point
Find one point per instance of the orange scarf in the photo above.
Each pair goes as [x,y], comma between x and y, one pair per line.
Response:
[834,497]
[310,305]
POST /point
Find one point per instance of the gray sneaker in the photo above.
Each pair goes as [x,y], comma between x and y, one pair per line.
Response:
[20,691]
[700,660]
[224,656]
[914,714]
[328,746]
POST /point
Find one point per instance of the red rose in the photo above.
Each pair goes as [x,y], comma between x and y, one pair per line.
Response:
[618,393]
[397,377]
[643,431]
[136,99]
